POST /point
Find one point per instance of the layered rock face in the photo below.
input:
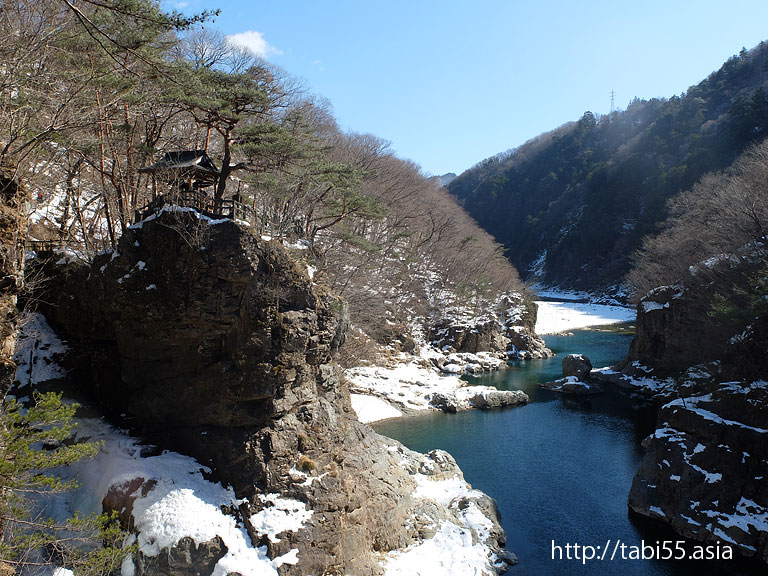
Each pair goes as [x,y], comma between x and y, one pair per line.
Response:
[665,318]
[218,345]
[705,468]
[714,314]
[513,334]
[483,335]
[523,343]
[190,327]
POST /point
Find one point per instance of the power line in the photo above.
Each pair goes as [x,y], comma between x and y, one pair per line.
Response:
[613,101]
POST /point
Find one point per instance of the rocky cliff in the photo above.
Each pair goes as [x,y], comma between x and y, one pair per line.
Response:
[506,329]
[219,345]
[705,468]
[700,352]
[717,313]
[13,225]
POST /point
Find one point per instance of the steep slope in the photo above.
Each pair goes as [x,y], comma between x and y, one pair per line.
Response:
[219,344]
[422,273]
[13,222]
[704,466]
[700,351]
[571,206]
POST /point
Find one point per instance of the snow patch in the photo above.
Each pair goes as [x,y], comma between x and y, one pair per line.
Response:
[36,348]
[372,408]
[658,511]
[280,515]
[172,208]
[690,404]
[556,317]
[181,503]
[456,549]
[450,552]
[650,305]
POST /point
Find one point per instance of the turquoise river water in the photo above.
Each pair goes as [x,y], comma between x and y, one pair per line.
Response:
[560,467]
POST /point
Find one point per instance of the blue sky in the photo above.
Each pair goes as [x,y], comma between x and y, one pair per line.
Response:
[452,82]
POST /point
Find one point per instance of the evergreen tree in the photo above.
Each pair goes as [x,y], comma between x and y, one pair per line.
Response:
[35,441]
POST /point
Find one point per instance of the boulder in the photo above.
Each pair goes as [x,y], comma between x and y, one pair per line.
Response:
[572,385]
[120,498]
[444,402]
[577,365]
[492,398]
[185,558]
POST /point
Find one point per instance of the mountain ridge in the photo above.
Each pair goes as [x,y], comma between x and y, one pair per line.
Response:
[572,205]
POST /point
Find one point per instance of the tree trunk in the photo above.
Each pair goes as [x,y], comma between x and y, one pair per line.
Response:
[226,168]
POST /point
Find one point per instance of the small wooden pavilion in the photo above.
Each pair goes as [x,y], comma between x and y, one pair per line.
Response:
[191,177]
[184,170]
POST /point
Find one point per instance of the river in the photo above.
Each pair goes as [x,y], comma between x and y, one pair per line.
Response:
[560,467]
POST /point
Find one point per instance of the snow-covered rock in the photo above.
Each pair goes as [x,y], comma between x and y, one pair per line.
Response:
[576,365]
[572,385]
[455,544]
[409,384]
[706,465]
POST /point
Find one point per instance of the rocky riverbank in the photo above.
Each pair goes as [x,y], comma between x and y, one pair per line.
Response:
[428,378]
[220,345]
[408,384]
[459,342]
[705,467]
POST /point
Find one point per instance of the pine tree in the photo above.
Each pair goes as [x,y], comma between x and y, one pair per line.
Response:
[36,440]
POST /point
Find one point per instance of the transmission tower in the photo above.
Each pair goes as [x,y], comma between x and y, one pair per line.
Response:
[613,101]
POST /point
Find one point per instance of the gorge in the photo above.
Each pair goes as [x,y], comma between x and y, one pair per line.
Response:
[234,286]
[234,340]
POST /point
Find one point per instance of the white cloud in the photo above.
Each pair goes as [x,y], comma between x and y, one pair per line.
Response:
[181,5]
[253,41]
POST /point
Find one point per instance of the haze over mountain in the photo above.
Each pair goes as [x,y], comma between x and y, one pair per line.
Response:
[572,205]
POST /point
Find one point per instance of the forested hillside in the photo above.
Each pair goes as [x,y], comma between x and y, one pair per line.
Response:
[91,102]
[572,205]
[114,114]
[711,254]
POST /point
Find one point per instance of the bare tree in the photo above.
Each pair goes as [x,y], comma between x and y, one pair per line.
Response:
[721,215]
